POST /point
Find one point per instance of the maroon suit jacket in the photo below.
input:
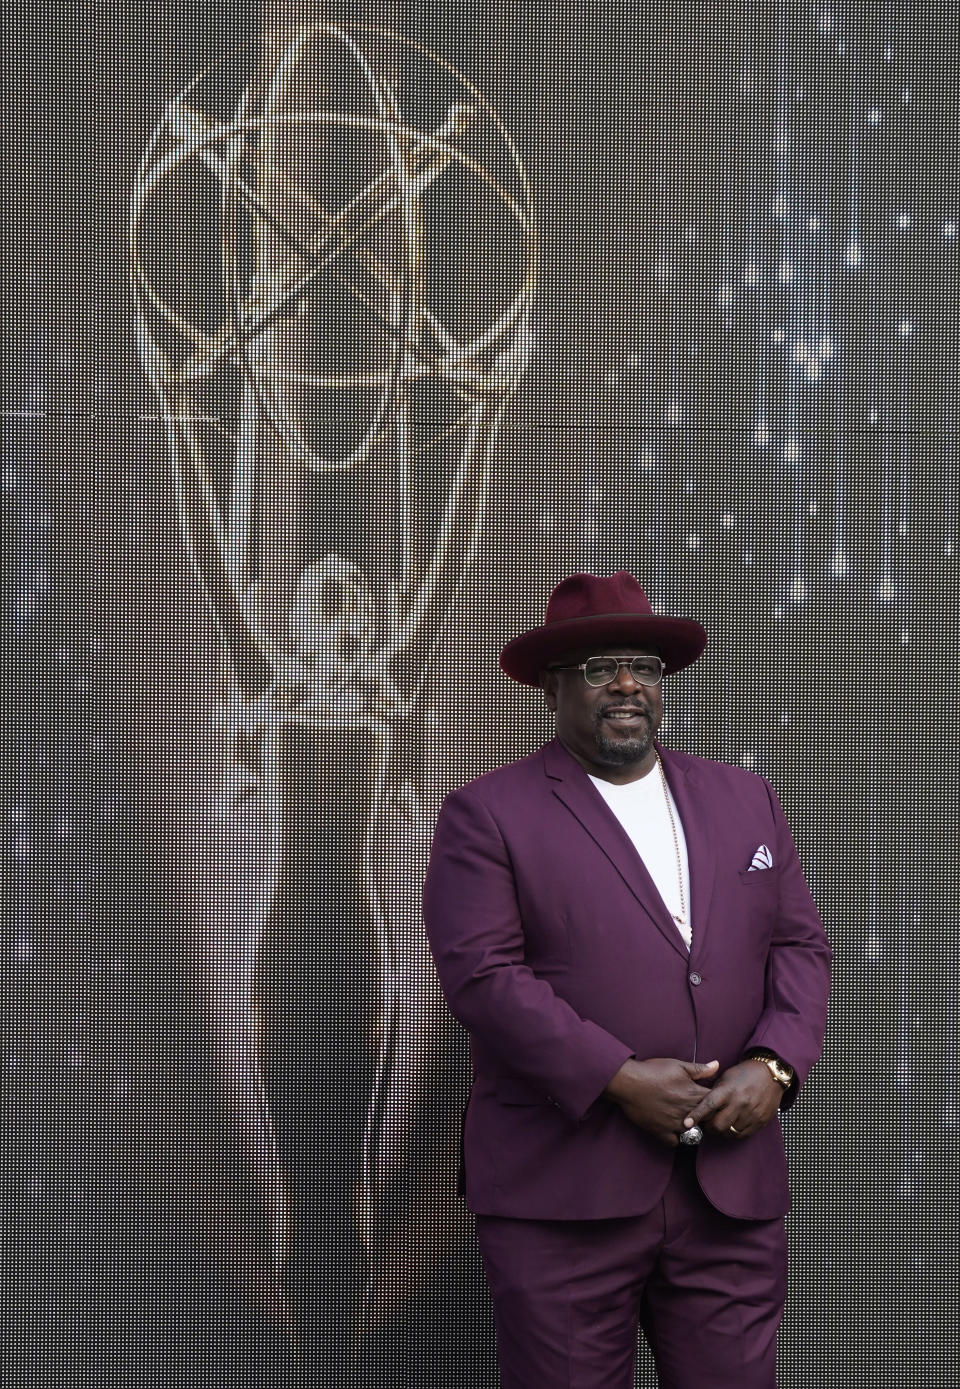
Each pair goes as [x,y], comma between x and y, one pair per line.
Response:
[555,951]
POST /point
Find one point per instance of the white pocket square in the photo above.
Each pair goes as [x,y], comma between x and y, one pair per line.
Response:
[762,858]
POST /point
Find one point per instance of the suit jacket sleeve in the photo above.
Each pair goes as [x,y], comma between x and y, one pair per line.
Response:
[476,935]
[798,967]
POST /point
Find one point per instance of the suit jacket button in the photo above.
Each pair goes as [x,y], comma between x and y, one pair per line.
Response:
[696,978]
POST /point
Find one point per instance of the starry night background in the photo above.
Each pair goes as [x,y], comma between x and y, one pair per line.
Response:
[744,390]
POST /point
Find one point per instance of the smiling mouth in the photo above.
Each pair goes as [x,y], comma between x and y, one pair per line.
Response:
[625,715]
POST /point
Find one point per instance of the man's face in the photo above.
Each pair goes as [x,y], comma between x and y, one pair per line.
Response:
[609,729]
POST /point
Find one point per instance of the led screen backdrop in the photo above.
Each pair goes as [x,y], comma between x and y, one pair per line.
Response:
[334,338]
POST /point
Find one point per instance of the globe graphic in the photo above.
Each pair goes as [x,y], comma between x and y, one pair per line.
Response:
[331,228]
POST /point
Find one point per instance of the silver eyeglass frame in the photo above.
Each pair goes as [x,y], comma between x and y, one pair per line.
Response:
[621,661]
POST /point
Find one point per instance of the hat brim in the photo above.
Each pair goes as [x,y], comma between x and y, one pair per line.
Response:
[679,640]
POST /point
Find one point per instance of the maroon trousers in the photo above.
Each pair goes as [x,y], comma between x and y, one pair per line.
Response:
[707,1290]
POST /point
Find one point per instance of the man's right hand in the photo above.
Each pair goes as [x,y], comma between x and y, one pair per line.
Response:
[658,1094]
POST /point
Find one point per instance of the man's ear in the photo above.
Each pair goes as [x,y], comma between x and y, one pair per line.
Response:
[548,683]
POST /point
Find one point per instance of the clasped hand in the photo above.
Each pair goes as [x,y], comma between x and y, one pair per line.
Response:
[664,1095]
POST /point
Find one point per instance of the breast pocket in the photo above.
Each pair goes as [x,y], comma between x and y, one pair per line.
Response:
[758,877]
[758,900]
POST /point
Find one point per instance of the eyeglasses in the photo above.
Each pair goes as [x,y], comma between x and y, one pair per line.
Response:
[601,670]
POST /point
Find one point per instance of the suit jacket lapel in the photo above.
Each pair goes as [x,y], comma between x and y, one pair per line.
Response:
[574,788]
[686,791]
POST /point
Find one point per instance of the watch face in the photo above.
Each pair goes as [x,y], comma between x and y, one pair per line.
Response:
[781,1073]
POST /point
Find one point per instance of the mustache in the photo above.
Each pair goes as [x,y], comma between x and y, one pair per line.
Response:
[634,705]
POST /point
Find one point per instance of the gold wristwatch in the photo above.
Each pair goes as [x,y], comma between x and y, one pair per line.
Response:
[781,1072]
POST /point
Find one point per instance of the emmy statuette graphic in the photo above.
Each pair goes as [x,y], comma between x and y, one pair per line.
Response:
[333,254]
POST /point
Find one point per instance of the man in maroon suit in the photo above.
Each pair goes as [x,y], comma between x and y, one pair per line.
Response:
[627,935]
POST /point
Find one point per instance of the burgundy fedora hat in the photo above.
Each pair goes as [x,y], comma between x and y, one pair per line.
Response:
[588,610]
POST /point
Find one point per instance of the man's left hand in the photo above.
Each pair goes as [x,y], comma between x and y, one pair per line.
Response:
[742,1101]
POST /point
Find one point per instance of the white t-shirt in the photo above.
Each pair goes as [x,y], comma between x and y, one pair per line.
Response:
[641,808]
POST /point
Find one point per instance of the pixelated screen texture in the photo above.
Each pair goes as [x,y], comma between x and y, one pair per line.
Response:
[741,386]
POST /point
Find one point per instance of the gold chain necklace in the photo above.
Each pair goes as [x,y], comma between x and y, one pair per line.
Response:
[681,920]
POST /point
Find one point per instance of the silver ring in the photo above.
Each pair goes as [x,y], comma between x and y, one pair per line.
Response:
[733,1130]
[691,1137]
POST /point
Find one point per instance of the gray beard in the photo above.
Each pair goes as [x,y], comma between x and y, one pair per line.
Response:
[622,751]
